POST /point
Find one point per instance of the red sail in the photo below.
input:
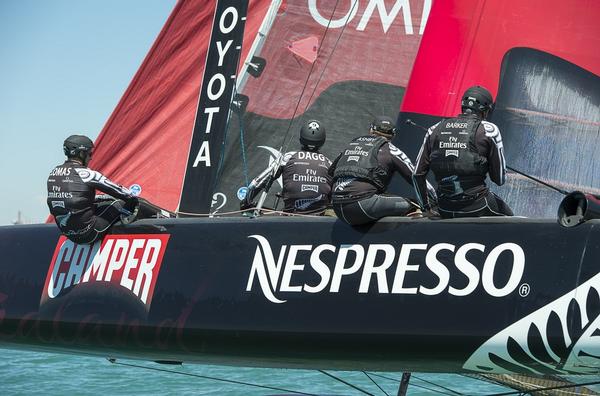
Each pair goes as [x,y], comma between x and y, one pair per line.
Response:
[466,40]
[539,59]
[147,138]
[359,64]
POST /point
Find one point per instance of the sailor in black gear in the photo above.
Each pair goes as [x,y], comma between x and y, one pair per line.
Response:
[80,215]
[306,184]
[362,172]
[461,151]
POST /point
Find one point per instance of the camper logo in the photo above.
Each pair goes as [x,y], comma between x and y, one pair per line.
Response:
[560,338]
[129,261]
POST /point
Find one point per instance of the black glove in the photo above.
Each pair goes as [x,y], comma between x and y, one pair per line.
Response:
[246,204]
[132,203]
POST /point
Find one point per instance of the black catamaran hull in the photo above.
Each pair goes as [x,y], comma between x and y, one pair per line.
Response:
[491,295]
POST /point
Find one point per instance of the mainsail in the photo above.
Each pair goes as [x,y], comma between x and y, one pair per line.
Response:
[537,58]
[338,61]
[341,62]
[146,140]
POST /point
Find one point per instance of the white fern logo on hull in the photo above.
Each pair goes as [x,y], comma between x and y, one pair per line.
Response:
[561,338]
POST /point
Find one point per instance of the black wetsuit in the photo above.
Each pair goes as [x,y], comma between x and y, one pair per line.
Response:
[72,201]
[306,183]
[362,173]
[461,151]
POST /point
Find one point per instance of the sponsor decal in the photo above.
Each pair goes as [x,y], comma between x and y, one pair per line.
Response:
[219,200]
[56,193]
[396,269]
[355,158]
[309,187]
[373,9]
[488,127]
[135,189]
[453,143]
[212,114]
[562,337]
[242,192]
[342,183]
[452,153]
[304,204]
[58,204]
[129,261]
[309,178]
[358,151]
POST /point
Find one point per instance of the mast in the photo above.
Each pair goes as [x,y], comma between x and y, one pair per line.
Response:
[212,112]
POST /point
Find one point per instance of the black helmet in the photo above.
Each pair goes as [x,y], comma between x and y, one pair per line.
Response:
[384,125]
[312,134]
[75,145]
[477,99]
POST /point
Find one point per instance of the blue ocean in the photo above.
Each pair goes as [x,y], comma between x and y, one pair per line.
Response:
[26,372]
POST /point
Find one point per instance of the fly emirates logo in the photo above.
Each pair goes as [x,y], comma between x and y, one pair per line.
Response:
[129,261]
[395,269]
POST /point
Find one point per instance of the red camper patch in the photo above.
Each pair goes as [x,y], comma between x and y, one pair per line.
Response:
[130,261]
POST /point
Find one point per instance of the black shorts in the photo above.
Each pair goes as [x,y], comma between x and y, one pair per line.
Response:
[487,204]
[106,213]
[371,209]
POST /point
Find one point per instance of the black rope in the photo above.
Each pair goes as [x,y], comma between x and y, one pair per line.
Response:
[346,383]
[372,380]
[114,361]
[307,78]
[421,386]
[546,389]
[535,179]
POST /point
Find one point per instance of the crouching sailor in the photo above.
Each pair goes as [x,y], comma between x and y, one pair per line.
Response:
[80,216]
[362,173]
[461,151]
[306,184]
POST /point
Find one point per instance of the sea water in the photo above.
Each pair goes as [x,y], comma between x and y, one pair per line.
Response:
[26,372]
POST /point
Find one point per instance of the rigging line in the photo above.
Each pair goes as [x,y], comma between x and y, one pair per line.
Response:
[355,2]
[532,391]
[312,66]
[438,385]
[242,144]
[264,211]
[114,361]
[543,183]
[372,380]
[345,382]
[423,387]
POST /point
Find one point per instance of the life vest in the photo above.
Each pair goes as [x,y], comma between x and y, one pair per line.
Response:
[359,160]
[454,152]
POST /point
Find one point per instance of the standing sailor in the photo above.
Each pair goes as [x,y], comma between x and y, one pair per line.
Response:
[306,184]
[461,151]
[71,195]
[362,173]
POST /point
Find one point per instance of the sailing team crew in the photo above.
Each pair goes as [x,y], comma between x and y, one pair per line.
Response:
[362,173]
[79,214]
[461,151]
[306,183]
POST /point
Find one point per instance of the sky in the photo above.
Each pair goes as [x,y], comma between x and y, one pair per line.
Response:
[64,65]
